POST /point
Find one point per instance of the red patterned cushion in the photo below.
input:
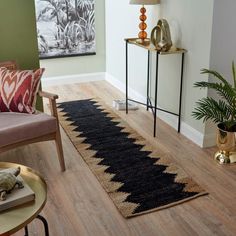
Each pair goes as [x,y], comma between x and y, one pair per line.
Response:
[18,89]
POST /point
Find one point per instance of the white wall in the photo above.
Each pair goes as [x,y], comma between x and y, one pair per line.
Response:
[195,21]
[122,22]
[223,50]
[82,64]
[222,45]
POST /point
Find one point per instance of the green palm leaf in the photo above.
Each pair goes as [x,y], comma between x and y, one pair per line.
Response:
[234,75]
[216,75]
[218,111]
[209,109]
[226,92]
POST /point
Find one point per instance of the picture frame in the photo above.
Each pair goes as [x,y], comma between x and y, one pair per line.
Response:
[65,28]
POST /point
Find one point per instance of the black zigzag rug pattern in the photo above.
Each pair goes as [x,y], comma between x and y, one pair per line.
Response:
[138,178]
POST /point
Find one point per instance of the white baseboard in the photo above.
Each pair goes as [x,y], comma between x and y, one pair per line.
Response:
[191,133]
[72,79]
[121,86]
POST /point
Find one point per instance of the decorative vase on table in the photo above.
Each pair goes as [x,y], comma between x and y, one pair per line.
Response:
[160,36]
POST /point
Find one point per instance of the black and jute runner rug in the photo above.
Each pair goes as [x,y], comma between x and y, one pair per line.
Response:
[138,178]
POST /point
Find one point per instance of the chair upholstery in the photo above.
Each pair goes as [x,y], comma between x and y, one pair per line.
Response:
[17,127]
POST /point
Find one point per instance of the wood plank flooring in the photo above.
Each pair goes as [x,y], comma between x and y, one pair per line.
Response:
[78,205]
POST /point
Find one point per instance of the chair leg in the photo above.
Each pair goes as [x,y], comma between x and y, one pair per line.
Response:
[60,150]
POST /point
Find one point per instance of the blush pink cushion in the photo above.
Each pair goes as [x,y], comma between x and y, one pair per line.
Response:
[18,89]
[17,127]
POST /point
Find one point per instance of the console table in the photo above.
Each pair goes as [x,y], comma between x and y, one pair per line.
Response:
[150,48]
[19,217]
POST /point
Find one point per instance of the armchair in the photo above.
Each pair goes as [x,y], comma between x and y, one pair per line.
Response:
[17,129]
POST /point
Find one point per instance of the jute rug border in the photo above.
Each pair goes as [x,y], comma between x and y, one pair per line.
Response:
[104,179]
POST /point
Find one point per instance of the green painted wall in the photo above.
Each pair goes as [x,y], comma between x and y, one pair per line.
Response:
[18,40]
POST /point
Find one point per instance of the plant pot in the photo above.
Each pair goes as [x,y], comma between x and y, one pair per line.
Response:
[226,142]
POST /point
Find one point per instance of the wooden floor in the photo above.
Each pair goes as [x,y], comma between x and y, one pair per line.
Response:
[78,205]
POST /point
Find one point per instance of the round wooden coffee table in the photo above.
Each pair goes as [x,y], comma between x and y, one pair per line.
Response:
[19,217]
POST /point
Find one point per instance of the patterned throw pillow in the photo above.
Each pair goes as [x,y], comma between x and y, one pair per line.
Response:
[18,89]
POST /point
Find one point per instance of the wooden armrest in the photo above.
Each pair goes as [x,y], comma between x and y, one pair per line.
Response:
[52,100]
[50,96]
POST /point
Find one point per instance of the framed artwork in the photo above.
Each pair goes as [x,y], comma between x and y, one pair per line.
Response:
[65,28]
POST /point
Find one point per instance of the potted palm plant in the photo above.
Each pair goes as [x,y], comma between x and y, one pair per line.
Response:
[221,111]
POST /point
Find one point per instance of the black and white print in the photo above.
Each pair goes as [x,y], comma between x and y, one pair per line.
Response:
[65,27]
